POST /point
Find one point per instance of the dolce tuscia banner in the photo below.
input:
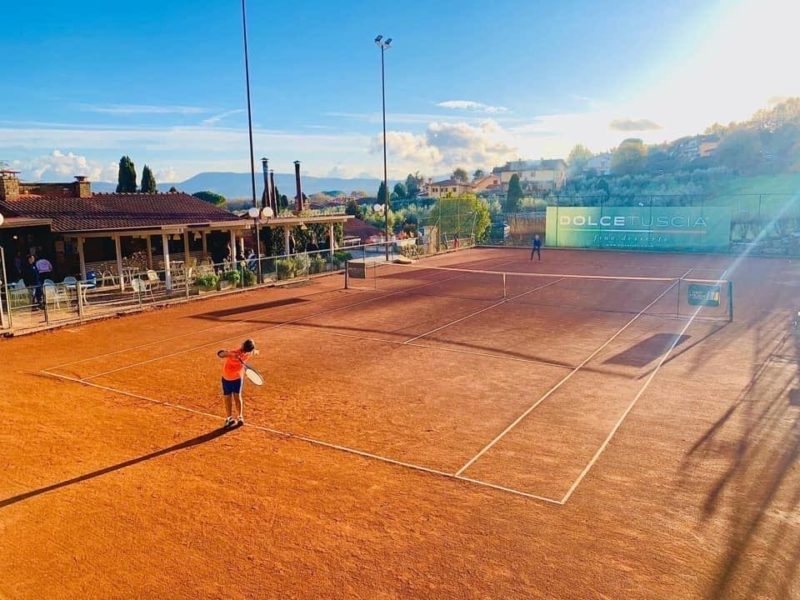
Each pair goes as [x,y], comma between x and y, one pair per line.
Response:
[657,228]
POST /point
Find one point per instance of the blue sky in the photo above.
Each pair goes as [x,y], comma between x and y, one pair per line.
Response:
[469,83]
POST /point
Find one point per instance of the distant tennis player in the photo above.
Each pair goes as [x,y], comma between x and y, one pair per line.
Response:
[536,248]
[232,379]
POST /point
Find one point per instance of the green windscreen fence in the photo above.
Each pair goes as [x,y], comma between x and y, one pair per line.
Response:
[646,227]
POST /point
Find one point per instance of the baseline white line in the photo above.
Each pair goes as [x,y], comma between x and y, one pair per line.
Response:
[270,327]
[314,441]
[618,424]
[566,378]
[477,312]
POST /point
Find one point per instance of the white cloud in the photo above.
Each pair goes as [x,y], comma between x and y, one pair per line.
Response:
[634,125]
[444,145]
[471,105]
[142,109]
[168,175]
[63,167]
[407,146]
[211,121]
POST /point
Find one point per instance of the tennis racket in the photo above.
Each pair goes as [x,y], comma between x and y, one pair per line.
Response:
[253,375]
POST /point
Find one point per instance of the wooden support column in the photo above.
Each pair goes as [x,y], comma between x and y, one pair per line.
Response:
[82,258]
[204,234]
[332,233]
[233,246]
[186,249]
[167,267]
[149,252]
[118,252]
[286,236]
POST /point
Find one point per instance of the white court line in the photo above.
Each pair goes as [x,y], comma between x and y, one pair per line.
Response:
[618,424]
[430,347]
[315,441]
[566,378]
[477,312]
[270,327]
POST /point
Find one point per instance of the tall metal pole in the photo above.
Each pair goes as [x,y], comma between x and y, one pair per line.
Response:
[383,46]
[385,172]
[250,133]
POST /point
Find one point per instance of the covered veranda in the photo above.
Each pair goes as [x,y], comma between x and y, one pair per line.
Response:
[171,250]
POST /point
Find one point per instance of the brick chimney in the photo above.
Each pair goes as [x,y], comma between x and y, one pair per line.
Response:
[300,204]
[82,187]
[9,185]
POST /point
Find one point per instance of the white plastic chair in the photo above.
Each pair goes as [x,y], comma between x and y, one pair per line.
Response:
[141,288]
[153,280]
[54,294]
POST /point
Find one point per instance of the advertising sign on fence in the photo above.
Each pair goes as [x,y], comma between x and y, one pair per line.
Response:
[646,228]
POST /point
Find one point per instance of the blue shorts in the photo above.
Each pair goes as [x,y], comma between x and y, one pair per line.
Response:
[231,387]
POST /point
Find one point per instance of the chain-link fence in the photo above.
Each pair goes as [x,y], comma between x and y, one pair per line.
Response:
[42,303]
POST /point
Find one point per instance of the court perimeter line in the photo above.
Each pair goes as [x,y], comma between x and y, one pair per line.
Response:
[314,441]
[566,378]
[477,312]
[622,418]
[274,326]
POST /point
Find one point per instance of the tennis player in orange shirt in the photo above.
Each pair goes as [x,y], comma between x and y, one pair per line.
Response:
[232,379]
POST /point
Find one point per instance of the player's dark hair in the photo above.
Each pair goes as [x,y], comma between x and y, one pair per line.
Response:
[248,346]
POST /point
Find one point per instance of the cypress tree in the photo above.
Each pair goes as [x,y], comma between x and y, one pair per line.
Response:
[126,179]
[148,181]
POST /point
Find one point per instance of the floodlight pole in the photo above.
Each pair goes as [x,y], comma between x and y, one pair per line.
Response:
[250,133]
[384,45]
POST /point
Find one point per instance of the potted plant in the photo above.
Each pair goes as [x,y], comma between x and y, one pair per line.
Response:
[206,283]
[229,279]
[249,277]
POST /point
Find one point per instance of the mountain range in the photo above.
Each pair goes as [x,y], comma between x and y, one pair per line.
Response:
[237,185]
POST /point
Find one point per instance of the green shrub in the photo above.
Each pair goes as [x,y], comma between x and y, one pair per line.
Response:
[301,264]
[233,277]
[207,282]
[317,264]
[249,277]
[341,257]
[284,268]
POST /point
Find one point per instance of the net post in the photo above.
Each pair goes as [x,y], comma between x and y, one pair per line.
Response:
[678,299]
[730,301]
[44,300]
[347,274]
[79,294]
[505,293]
[6,293]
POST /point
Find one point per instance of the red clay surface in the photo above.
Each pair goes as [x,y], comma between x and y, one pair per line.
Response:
[658,475]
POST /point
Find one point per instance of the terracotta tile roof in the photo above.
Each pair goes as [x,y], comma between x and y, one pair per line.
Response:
[116,211]
[357,227]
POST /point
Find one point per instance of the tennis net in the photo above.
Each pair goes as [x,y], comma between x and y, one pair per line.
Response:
[658,296]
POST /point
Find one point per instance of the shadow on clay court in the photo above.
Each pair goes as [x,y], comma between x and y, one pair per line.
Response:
[196,441]
[760,435]
[239,310]
[642,354]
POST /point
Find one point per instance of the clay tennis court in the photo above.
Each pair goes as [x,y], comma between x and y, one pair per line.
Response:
[423,433]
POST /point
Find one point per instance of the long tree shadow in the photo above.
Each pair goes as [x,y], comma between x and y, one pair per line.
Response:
[196,441]
[760,432]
